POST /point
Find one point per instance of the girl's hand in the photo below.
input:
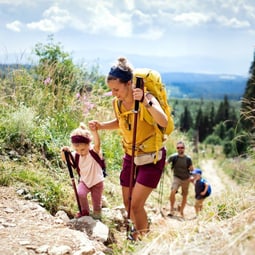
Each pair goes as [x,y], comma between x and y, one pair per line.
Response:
[65,148]
[94,125]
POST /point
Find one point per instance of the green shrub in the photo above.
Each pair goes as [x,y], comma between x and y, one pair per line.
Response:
[17,127]
[213,139]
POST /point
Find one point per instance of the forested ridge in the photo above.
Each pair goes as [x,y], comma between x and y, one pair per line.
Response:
[206,86]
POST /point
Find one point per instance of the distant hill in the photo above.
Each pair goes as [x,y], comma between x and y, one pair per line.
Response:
[186,85]
[207,86]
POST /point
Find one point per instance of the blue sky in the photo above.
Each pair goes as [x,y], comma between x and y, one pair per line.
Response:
[202,36]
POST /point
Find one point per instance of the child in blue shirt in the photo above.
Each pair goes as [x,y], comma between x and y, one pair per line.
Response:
[202,189]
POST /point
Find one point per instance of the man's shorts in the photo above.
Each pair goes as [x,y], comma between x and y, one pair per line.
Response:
[184,184]
[147,175]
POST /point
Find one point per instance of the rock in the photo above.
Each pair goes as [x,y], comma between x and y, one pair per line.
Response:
[100,232]
[60,250]
[8,210]
[42,249]
[61,217]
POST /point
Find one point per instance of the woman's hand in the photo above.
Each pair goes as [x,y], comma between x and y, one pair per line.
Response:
[138,94]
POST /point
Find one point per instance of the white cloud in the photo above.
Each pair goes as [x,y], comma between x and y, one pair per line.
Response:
[45,25]
[54,20]
[192,18]
[127,18]
[94,19]
[14,26]
[130,4]
[233,22]
[102,19]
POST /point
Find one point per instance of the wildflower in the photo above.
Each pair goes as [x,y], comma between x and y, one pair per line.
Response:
[89,105]
[107,94]
[47,81]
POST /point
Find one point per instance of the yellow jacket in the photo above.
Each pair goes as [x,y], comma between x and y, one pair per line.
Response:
[149,137]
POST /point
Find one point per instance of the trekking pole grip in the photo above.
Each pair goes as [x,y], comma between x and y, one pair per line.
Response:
[139,85]
[68,162]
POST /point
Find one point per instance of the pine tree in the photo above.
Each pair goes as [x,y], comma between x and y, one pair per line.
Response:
[248,101]
[201,125]
[185,120]
[223,111]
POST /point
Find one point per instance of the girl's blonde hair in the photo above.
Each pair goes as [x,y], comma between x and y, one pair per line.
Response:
[81,131]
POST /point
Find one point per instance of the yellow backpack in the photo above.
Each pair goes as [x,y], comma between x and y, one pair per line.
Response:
[153,85]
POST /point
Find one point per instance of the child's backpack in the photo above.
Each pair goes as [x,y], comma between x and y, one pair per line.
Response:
[100,161]
[209,191]
[153,84]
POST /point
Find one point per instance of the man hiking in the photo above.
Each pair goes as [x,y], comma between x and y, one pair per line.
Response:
[181,166]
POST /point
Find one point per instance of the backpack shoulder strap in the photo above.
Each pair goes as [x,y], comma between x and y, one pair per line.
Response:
[117,108]
[100,161]
[175,158]
[189,161]
[97,158]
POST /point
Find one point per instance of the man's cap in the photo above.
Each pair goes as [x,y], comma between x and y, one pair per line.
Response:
[196,171]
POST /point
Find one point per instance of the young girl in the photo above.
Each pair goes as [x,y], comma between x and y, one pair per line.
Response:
[91,175]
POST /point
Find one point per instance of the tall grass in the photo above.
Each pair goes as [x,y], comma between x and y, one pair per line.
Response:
[225,226]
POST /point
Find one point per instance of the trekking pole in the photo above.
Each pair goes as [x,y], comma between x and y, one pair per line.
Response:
[69,165]
[139,84]
[161,191]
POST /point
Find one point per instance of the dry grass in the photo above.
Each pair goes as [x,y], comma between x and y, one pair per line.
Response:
[225,226]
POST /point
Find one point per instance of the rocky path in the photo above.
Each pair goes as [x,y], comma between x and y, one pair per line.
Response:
[27,228]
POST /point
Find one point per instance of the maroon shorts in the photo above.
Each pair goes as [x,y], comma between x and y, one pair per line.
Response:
[147,175]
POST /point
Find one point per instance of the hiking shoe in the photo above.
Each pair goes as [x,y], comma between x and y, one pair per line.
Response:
[171,214]
[134,237]
[79,215]
[131,238]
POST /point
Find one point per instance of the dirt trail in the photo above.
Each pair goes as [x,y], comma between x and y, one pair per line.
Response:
[211,174]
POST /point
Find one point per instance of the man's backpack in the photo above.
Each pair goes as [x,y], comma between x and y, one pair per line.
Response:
[100,161]
[153,85]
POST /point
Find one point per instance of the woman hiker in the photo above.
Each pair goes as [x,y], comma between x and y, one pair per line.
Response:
[146,176]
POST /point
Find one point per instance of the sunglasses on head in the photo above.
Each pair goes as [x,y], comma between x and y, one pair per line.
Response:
[180,147]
